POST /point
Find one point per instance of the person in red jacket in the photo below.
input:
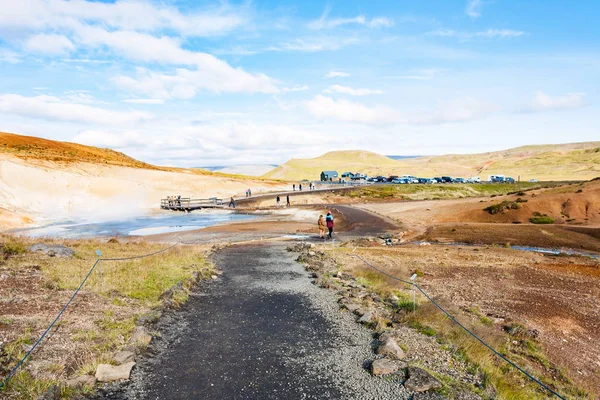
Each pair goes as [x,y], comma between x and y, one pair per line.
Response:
[329,222]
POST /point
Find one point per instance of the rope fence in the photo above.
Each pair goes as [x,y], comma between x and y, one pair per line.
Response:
[496,352]
[98,260]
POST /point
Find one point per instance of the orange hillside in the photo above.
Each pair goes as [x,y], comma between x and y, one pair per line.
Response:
[29,147]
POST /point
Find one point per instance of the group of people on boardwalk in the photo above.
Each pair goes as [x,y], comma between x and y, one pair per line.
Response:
[328,223]
[310,186]
[287,201]
[248,193]
[174,201]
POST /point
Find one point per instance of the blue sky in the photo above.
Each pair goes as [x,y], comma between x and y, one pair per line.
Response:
[190,83]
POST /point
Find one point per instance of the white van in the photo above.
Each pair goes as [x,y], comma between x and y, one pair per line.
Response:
[474,179]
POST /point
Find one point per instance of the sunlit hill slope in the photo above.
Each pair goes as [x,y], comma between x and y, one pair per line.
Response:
[573,161]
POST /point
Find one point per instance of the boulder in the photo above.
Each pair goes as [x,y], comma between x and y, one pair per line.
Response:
[385,366]
[140,336]
[390,348]
[367,318]
[83,380]
[110,373]
[123,357]
[56,250]
[420,380]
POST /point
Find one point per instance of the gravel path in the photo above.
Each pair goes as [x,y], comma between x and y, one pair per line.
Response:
[262,331]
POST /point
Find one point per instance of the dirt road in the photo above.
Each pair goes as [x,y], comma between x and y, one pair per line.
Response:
[261,331]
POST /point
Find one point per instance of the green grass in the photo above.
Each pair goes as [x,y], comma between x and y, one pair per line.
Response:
[541,220]
[436,192]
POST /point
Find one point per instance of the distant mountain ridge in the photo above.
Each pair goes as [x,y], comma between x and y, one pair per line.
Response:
[571,161]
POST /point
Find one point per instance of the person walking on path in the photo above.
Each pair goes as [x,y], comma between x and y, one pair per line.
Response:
[278,201]
[300,187]
[329,222]
[321,226]
[294,187]
[288,200]
[231,203]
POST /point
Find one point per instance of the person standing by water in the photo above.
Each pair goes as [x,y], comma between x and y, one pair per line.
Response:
[329,222]
[321,226]
[288,201]
[231,203]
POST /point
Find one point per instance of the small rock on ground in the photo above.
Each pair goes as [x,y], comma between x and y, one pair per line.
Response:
[56,250]
[385,366]
[122,357]
[420,380]
[140,336]
[110,373]
[83,380]
[390,348]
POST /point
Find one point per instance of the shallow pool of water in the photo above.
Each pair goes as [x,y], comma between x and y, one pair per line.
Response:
[136,226]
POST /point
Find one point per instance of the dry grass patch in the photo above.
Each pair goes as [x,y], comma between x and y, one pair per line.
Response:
[469,284]
[102,317]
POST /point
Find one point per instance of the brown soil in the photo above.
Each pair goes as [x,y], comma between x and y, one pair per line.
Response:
[548,236]
[556,296]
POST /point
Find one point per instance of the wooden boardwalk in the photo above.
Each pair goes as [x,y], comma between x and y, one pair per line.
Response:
[189,204]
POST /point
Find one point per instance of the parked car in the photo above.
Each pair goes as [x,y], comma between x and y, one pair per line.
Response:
[447,179]
[401,181]
[381,179]
[474,179]
[533,180]
[392,177]
[437,179]
[497,178]
[410,178]
[459,180]
[425,180]
[508,179]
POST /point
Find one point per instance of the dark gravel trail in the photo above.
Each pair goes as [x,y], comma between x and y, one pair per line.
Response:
[261,331]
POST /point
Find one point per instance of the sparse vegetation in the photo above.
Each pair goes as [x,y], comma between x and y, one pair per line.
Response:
[115,295]
[541,220]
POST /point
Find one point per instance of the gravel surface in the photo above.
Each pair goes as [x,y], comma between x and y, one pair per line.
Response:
[262,330]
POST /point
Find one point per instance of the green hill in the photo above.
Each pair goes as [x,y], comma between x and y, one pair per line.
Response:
[572,161]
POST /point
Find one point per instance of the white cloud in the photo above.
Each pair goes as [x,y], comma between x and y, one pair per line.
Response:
[295,88]
[144,101]
[226,143]
[116,32]
[543,101]
[310,45]
[186,83]
[324,23]
[462,109]
[351,91]
[122,14]
[49,44]
[324,107]
[487,34]
[337,74]
[54,108]
[9,57]
[473,8]
[500,33]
